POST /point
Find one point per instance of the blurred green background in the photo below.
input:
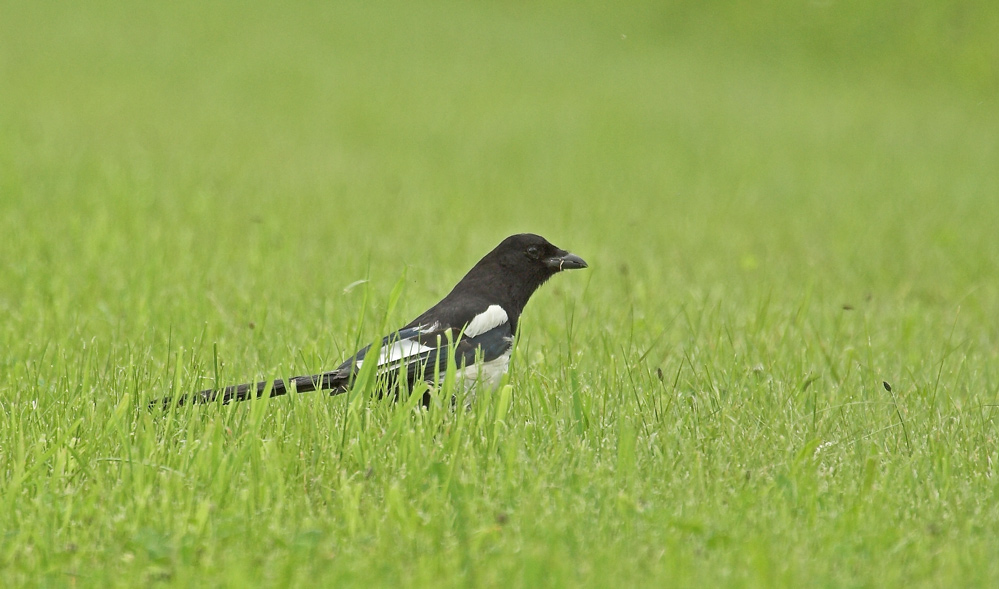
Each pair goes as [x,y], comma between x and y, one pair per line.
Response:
[177,177]
[245,150]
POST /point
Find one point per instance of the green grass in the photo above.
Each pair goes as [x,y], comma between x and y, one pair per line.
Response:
[783,205]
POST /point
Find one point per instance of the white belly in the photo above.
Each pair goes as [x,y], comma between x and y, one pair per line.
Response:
[485,375]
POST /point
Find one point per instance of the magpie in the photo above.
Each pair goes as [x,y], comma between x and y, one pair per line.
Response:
[474,324]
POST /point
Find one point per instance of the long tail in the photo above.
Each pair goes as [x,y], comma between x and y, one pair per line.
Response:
[334,382]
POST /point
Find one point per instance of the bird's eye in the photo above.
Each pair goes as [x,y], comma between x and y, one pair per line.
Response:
[534,252]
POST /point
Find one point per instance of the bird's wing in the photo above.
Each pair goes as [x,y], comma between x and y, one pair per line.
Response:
[422,351]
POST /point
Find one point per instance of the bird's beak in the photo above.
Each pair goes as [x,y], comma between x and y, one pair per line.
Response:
[566,261]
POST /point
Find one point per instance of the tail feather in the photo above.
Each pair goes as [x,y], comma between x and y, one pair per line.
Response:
[335,382]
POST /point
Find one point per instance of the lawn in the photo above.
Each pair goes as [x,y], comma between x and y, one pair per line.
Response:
[780,370]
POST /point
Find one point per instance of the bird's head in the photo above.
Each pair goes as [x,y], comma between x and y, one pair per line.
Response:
[507,276]
[519,265]
[527,252]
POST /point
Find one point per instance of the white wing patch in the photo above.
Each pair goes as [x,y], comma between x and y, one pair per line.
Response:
[492,317]
[401,350]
